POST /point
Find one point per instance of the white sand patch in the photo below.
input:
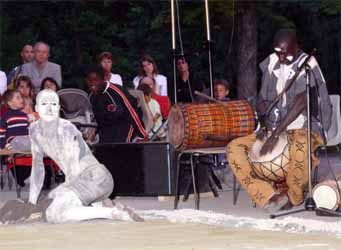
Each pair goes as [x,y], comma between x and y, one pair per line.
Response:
[287,224]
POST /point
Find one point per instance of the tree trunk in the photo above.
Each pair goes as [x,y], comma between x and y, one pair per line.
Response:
[229,58]
[77,51]
[247,49]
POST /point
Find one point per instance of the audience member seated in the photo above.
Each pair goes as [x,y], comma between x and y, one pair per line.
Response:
[49,83]
[40,67]
[148,68]
[27,55]
[3,82]
[156,112]
[163,101]
[14,124]
[115,110]
[221,90]
[106,60]
[25,88]
[187,82]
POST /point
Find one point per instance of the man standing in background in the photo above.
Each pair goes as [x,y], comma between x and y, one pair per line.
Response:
[27,55]
[40,67]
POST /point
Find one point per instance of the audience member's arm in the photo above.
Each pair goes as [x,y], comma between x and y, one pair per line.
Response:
[163,86]
[136,81]
[58,75]
[3,83]
[3,128]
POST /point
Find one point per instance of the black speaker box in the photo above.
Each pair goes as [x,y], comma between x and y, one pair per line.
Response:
[138,169]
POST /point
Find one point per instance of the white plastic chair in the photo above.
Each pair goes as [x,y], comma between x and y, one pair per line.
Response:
[334,132]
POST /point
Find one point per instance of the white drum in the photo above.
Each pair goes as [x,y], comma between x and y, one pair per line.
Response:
[326,195]
[273,166]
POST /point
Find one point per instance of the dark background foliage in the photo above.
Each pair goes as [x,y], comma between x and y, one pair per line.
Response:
[79,30]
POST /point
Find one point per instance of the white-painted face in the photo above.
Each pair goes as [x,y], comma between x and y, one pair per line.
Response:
[48,105]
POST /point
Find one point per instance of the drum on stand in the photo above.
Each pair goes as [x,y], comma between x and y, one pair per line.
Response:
[190,125]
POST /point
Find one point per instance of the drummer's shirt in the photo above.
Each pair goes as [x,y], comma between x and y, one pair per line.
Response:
[274,79]
[283,74]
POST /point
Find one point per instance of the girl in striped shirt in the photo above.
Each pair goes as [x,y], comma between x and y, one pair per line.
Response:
[14,123]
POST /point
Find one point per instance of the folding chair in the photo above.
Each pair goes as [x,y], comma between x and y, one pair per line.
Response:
[24,159]
[195,153]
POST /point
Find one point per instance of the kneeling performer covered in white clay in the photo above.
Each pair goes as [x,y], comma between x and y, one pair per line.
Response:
[88,184]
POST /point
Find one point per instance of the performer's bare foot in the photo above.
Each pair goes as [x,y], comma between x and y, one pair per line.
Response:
[278,202]
[132,214]
[108,203]
[122,212]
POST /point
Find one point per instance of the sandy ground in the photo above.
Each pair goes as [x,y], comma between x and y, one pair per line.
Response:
[154,235]
[218,225]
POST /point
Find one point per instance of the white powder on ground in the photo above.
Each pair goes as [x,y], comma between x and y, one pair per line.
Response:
[287,224]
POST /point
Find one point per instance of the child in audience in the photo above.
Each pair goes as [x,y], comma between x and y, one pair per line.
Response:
[49,83]
[155,110]
[25,88]
[13,124]
[221,90]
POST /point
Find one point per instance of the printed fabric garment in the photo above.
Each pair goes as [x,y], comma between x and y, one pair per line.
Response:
[12,124]
[117,115]
[63,143]
[260,190]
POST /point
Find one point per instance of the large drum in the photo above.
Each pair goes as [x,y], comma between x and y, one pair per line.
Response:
[194,125]
[273,166]
[326,194]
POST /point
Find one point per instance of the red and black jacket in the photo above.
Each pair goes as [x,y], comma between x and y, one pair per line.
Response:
[117,115]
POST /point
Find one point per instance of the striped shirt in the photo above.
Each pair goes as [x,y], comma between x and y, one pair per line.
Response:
[13,123]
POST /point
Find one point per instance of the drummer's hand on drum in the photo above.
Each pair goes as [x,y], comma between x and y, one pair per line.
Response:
[261,133]
[269,144]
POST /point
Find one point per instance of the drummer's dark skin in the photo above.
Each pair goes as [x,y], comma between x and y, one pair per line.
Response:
[285,47]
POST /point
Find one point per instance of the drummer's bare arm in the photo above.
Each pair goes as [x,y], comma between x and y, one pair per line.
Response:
[261,109]
[296,109]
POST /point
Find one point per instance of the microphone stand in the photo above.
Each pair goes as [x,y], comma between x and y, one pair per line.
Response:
[173,49]
[209,45]
[309,204]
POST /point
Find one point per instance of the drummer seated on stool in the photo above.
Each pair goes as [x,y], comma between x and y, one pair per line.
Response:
[275,186]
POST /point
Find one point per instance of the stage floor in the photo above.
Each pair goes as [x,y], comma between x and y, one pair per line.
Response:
[218,225]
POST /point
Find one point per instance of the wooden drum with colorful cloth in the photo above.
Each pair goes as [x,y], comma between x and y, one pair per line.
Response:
[209,125]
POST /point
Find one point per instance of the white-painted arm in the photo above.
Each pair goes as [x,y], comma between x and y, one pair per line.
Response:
[37,172]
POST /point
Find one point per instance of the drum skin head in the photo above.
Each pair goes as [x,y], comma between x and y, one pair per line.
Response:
[272,166]
[176,126]
[254,153]
[326,196]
